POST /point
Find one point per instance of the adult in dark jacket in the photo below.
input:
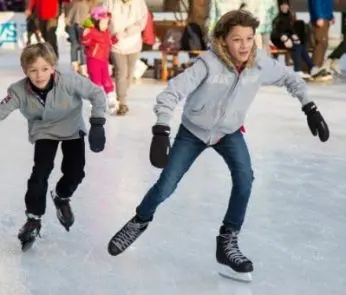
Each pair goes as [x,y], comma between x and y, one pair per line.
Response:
[284,36]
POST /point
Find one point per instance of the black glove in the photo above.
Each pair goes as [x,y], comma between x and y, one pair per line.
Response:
[316,122]
[160,146]
[97,137]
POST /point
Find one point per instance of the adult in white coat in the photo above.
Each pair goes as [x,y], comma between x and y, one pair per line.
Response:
[128,20]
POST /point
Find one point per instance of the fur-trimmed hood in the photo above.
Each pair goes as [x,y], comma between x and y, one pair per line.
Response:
[221,51]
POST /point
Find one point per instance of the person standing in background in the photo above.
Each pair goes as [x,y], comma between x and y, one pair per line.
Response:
[333,60]
[32,27]
[78,12]
[265,11]
[321,16]
[47,12]
[218,8]
[128,20]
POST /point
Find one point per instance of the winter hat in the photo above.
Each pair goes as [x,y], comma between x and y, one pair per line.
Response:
[280,2]
[100,13]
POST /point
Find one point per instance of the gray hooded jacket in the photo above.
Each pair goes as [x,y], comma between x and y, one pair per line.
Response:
[60,118]
[218,98]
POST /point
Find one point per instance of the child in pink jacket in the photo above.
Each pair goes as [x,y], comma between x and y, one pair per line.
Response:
[98,41]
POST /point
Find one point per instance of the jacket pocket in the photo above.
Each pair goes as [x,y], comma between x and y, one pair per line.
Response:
[204,114]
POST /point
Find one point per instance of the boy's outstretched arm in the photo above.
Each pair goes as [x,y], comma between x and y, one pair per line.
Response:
[9,104]
[178,89]
[275,73]
[86,89]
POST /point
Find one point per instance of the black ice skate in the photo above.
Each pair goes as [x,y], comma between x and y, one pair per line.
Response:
[236,265]
[29,231]
[63,210]
[126,236]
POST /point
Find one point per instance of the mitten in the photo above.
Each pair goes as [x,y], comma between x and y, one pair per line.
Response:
[316,122]
[160,146]
[97,137]
[287,41]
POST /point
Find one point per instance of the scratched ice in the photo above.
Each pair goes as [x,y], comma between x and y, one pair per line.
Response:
[294,231]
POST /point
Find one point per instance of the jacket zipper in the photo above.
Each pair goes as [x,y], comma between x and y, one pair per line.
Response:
[224,106]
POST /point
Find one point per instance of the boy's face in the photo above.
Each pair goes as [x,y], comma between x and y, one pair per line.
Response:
[103,24]
[240,41]
[39,72]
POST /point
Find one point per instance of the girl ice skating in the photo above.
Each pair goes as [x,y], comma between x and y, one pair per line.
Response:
[52,104]
[98,42]
[219,88]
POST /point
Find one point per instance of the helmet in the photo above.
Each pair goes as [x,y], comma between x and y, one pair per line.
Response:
[100,13]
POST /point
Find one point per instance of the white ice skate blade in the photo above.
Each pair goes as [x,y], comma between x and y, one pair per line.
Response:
[228,273]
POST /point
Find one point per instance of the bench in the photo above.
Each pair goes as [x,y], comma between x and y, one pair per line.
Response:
[170,64]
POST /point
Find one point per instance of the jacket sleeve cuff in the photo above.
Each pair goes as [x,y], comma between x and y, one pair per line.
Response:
[163,119]
[305,100]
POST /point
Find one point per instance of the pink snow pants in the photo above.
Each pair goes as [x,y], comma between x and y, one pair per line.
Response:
[99,73]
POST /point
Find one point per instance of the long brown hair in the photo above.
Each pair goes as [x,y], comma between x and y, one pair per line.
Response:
[232,19]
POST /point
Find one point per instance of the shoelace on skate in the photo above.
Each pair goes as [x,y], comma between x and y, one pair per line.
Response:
[232,250]
[127,235]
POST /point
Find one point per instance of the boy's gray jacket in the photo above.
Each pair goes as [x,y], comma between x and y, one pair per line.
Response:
[61,116]
[217,97]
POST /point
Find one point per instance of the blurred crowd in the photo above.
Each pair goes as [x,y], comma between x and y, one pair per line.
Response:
[129,28]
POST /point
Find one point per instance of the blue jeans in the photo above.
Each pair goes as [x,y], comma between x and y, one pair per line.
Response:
[299,53]
[185,150]
[77,49]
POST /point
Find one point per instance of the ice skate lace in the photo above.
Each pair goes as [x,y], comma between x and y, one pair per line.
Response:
[232,249]
[127,235]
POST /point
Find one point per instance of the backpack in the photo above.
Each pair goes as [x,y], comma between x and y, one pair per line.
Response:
[171,41]
[192,38]
[148,34]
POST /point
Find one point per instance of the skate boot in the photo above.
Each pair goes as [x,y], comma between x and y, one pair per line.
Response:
[29,231]
[235,264]
[126,236]
[113,104]
[123,109]
[63,210]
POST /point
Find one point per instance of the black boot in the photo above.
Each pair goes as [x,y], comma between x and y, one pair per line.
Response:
[126,236]
[63,210]
[29,231]
[229,255]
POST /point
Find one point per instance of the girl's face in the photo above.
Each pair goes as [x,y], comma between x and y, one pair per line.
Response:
[103,24]
[240,41]
[39,72]
[284,8]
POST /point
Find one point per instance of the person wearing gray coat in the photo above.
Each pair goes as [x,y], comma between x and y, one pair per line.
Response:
[51,102]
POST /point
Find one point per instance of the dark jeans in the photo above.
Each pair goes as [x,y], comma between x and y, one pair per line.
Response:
[299,53]
[77,49]
[48,31]
[185,150]
[338,51]
[72,168]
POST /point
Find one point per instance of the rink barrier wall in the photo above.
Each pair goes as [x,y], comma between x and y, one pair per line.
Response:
[13,34]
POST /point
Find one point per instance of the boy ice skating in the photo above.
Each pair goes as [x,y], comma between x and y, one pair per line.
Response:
[52,104]
[219,88]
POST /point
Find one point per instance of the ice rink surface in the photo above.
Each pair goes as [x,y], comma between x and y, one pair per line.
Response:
[295,230]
